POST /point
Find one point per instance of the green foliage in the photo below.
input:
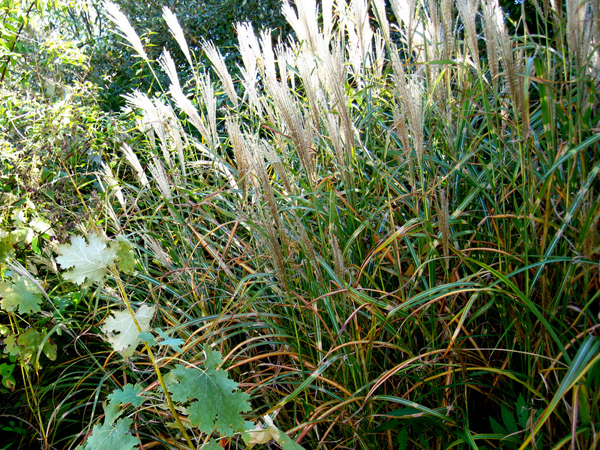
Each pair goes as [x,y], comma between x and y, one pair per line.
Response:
[91,261]
[212,20]
[116,70]
[510,428]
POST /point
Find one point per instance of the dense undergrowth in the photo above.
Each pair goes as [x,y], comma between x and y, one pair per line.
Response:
[388,230]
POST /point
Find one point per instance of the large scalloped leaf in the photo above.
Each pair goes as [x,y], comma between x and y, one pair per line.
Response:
[21,294]
[111,436]
[27,344]
[122,332]
[215,401]
[90,261]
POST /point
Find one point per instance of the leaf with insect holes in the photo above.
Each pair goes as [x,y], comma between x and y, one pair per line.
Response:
[21,294]
[90,261]
[28,344]
[121,331]
[215,401]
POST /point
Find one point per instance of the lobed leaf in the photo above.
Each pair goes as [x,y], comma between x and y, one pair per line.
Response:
[21,294]
[111,436]
[129,394]
[89,262]
[122,332]
[215,401]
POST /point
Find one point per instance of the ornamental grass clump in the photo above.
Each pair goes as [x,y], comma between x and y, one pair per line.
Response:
[387,227]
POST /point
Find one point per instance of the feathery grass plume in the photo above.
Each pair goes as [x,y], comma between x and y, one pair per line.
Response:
[248,45]
[543,12]
[306,242]
[160,177]
[250,51]
[157,250]
[269,109]
[267,62]
[272,243]
[380,59]
[414,31]
[295,124]
[512,65]
[435,27]
[133,160]
[168,121]
[120,20]
[218,62]
[338,257]
[112,184]
[444,222]
[177,32]
[355,19]
[240,152]
[174,131]
[409,92]
[435,51]
[334,78]
[490,30]
[152,113]
[257,160]
[467,9]
[304,23]
[584,26]
[274,160]
[145,128]
[594,40]
[447,7]
[285,57]
[181,100]
[557,8]
[310,80]
[401,128]
[328,19]
[168,66]
[575,18]
[332,124]
[359,10]
[210,101]
[381,16]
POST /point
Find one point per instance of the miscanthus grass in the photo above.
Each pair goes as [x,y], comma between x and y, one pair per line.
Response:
[388,226]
